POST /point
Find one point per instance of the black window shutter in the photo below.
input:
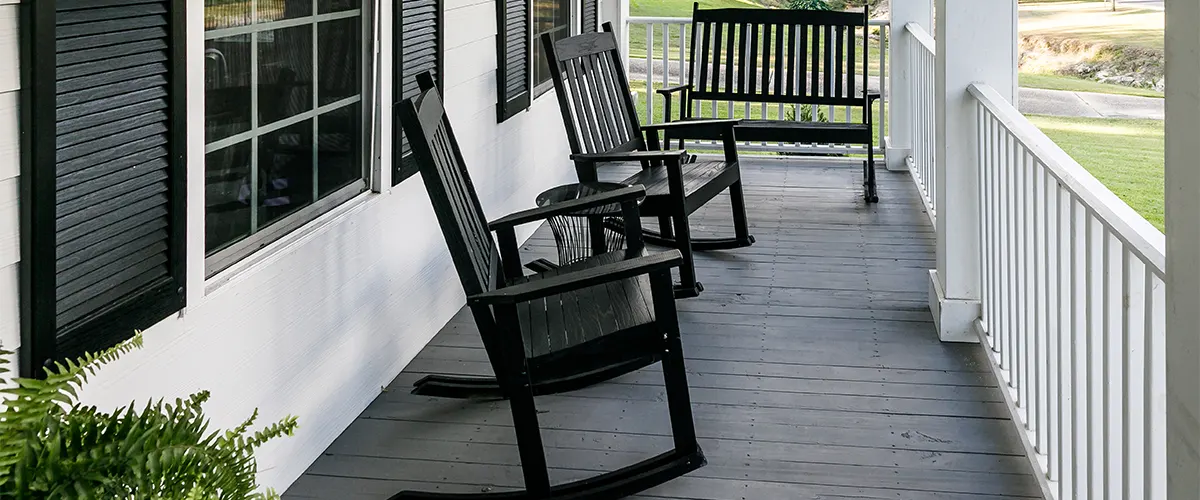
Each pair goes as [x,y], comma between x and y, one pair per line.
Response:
[513,57]
[418,48]
[107,168]
[589,15]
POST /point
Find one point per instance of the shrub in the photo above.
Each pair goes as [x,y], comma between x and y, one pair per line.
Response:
[53,447]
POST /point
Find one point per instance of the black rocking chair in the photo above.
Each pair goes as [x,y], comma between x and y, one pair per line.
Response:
[602,126]
[539,335]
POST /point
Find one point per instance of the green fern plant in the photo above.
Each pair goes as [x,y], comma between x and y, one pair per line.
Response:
[53,447]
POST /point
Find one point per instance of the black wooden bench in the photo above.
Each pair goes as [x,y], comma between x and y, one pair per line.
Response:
[782,57]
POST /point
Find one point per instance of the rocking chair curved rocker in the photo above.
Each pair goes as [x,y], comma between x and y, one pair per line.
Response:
[539,335]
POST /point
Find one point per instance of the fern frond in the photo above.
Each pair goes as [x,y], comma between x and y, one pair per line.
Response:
[53,447]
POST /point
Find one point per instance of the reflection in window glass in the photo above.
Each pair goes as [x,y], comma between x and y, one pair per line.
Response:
[549,16]
[283,117]
[285,171]
[326,6]
[275,10]
[226,87]
[339,148]
[339,59]
[285,70]
[226,196]
[226,13]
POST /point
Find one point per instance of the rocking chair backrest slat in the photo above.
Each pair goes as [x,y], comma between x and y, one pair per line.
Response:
[453,196]
[764,55]
[593,90]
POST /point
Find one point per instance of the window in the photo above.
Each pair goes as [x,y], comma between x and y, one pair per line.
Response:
[103,171]
[284,87]
[553,17]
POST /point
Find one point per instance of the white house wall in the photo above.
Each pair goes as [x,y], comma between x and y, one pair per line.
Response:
[9,167]
[317,327]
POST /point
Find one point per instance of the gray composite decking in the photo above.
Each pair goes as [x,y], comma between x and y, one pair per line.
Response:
[813,365]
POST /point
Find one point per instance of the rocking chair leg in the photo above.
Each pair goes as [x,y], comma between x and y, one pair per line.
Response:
[688,286]
[741,228]
[679,403]
[529,442]
[665,230]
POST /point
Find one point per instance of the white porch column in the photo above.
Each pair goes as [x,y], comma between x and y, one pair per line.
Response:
[1183,250]
[976,42]
[901,108]
[617,13]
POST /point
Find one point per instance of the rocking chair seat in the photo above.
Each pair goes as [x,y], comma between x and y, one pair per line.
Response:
[591,328]
[702,181]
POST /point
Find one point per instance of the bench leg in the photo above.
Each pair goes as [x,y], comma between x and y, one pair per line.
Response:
[869,187]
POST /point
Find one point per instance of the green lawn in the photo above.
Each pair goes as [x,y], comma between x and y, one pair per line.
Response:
[1125,155]
[1060,82]
[1094,22]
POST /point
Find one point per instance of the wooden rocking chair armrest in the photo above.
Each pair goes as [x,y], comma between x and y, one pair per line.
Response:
[685,129]
[563,283]
[542,213]
[677,154]
[685,124]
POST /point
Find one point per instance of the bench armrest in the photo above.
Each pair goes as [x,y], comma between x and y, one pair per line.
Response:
[562,283]
[667,91]
[542,213]
[873,96]
[632,156]
[668,96]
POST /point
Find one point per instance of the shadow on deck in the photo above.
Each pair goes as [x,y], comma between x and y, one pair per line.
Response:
[814,371]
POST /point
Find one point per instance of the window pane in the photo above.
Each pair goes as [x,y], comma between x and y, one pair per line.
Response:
[326,6]
[339,48]
[226,196]
[549,16]
[285,172]
[339,148]
[226,87]
[284,73]
[226,13]
[275,10]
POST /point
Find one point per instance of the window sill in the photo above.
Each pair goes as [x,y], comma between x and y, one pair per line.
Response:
[543,88]
[275,250]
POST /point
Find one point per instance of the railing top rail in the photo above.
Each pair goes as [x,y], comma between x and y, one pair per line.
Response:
[922,36]
[657,20]
[688,20]
[1143,239]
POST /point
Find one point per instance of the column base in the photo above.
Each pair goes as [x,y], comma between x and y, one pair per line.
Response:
[954,319]
[897,159]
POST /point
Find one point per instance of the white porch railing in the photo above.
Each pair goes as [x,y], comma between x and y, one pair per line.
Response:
[665,61]
[923,53]
[1073,308]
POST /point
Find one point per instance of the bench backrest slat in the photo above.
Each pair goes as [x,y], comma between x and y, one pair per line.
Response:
[764,55]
